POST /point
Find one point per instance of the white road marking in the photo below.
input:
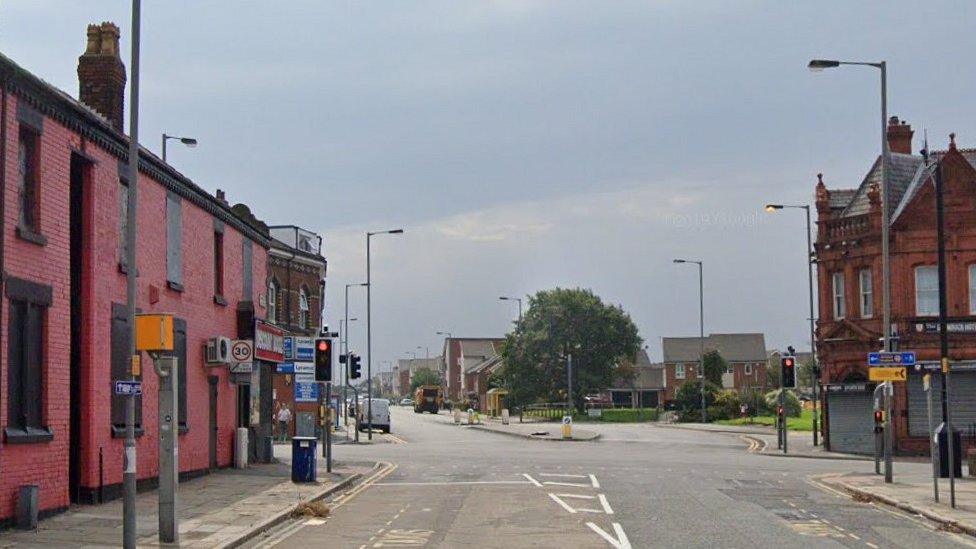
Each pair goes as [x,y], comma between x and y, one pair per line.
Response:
[562,503]
[577,496]
[605,504]
[451,483]
[561,475]
[594,481]
[873,546]
[620,542]
[570,484]
[532,480]
[314,522]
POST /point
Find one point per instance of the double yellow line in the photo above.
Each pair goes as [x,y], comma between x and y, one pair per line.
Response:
[756,445]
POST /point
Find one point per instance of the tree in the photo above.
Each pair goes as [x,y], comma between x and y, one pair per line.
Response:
[425,376]
[715,366]
[687,399]
[560,323]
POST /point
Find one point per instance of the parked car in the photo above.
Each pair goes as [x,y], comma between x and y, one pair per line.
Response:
[381,414]
[406,402]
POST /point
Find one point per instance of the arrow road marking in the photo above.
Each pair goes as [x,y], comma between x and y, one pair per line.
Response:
[620,542]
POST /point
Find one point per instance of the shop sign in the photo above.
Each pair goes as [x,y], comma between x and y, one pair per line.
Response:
[269,342]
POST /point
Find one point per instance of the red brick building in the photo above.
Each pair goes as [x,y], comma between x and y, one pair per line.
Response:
[63,329]
[744,353]
[296,283]
[848,251]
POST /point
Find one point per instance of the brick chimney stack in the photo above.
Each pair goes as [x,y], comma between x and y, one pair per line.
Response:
[101,74]
[899,136]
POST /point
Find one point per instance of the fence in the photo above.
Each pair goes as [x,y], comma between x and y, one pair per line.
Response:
[549,410]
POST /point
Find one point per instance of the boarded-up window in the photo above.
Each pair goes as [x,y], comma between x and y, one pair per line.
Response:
[25,360]
[179,351]
[120,369]
[174,240]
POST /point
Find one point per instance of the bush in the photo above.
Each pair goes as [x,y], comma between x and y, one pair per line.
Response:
[687,400]
[792,403]
[628,415]
[756,401]
[727,404]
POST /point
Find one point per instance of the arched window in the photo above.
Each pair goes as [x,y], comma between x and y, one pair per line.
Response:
[303,307]
[273,301]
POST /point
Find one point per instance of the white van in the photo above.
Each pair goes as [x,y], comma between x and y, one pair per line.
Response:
[381,414]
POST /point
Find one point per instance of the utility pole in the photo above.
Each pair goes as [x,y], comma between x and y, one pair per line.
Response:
[569,382]
[129,461]
[944,332]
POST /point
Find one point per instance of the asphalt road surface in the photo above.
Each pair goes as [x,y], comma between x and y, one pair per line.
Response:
[638,486]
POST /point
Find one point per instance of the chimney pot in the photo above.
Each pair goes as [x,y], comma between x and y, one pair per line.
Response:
[899,136]
[101,74]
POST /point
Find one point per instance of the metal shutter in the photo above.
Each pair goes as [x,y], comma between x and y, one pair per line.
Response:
[962,386]
[851,421]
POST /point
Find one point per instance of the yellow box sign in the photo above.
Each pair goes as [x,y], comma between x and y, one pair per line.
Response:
[154,332]
[888,374]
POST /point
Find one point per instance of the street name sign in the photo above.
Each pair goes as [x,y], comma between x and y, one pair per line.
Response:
[883,358]
[888,374]
[128,387]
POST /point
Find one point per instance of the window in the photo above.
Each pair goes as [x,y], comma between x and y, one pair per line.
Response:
[247,265]
[303,307]
[838,286]
[972,289]
[25,354]
[867,293]
[748,369]
[174,242]
[179,351]
[119,337]
[123,220]
[926,290]
[218,255]
[27,198]
[273,301]
[729,369]
[679,371]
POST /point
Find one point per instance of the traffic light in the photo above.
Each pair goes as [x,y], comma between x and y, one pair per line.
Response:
[323,359]
[354,367]
[879,416]
[787,368]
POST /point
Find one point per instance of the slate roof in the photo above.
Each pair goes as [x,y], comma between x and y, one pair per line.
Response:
[474,348]
[732,347]
[904,168]
[649,375]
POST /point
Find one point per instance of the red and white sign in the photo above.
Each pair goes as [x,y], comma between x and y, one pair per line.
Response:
[269,342]
[242,350]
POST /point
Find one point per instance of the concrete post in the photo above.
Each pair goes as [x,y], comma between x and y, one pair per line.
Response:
[169,463]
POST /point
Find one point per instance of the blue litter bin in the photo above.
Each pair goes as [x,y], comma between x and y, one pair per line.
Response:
[303,459]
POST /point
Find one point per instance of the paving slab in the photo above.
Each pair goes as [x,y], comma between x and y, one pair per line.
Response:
[218,510]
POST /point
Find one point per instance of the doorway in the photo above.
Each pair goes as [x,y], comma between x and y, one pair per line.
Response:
[212,382]
[79,174]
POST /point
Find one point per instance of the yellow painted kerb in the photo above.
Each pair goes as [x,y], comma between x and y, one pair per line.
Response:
[154,332]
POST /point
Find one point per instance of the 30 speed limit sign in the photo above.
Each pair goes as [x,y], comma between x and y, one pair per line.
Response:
[242,350]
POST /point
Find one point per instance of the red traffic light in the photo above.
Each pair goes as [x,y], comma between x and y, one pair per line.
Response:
[789,362]
[323,345]
[879,416]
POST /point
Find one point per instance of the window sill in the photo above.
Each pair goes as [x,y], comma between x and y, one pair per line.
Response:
[30,236]
[119,432]
[175,286]
[29,435]
[219,300]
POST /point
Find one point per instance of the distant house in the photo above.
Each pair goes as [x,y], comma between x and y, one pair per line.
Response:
[406,368]
[644,390]
[744,353]
[462,356]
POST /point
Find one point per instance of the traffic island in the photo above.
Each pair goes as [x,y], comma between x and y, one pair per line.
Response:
[913,492]
[537,431]
[223,509]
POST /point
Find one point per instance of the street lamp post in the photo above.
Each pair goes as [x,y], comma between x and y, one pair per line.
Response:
[369,333]
[188,141]
[519,299]
[813,339]
[821,64]
[345,394]
[701,330]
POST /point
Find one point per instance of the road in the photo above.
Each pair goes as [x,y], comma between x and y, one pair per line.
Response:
[638,486]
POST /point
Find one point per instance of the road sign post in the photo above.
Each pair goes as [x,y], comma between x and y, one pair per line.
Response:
[888,367]
[933,452]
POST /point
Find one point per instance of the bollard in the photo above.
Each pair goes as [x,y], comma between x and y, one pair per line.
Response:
[470,416]
[567,430]
[505,416]
[457,416]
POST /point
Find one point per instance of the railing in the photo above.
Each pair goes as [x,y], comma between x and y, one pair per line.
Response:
[847,227]
[548,410]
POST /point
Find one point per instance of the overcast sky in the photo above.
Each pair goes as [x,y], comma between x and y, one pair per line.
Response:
[526,144]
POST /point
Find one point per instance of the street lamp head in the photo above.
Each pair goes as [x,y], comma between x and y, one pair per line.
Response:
[396,231]
[680,261]
[817,65]
[189,141]
[773,207]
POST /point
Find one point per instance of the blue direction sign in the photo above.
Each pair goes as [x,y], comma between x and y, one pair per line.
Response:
[128,387]
[882,358]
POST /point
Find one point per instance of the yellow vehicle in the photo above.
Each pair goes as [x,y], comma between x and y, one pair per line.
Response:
[427,398]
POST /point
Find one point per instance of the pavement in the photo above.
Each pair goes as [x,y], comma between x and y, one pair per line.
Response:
[637,485]
[222,509]
[765,441]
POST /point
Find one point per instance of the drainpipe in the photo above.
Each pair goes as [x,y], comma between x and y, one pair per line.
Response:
[3,174]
